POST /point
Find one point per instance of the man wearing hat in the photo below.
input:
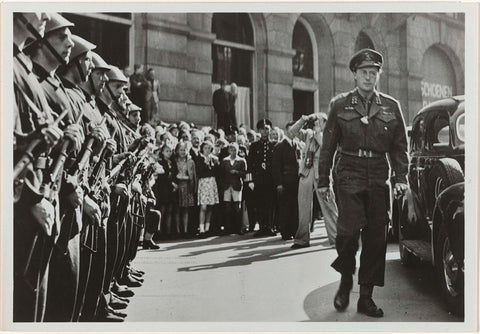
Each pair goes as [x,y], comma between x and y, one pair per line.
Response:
[33,213]
[259,164]
[366,126]
[47,55]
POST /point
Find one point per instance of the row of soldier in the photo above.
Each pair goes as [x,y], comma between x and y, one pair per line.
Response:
[82,177]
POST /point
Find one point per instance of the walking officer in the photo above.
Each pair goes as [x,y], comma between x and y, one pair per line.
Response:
[260,166]
[366,126]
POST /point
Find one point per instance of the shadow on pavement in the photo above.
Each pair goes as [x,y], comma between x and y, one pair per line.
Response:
[410,294]
[263,254]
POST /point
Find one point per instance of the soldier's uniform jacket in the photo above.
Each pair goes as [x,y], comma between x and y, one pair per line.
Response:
[28,115]
[260,161]
[352,128]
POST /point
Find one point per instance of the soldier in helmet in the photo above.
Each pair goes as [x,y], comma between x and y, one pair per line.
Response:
[363,127]
[35,134]
[259,164]
[48,54]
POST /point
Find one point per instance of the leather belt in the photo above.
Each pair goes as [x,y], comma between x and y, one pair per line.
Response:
[360,153]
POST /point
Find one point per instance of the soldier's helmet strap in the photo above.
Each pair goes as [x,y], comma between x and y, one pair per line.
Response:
[41,39]
[83,75]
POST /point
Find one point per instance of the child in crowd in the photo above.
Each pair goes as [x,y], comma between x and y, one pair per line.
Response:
[207,186]
[185,178]
[164,189]
[234,169]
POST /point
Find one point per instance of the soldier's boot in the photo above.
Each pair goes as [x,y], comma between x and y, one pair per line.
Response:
[365,302]
[342,297]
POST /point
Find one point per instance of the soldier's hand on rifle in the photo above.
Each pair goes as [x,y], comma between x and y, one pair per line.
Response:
[92,210]
[74,132]
[111,145]
[76,197]
[400,189]
[120,189]
[44,214]
[136,186]
[280,189]
[100,134]
[51,134]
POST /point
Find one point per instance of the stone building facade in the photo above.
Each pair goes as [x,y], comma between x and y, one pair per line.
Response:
[423,57]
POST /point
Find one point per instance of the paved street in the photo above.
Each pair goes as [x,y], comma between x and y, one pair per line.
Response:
[241,278]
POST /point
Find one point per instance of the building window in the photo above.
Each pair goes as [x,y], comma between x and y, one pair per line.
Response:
[109,31]
[302,62]
[232,50]
[233,27]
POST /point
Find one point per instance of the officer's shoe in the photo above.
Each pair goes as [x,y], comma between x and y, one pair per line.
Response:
[149,244]
[260,233]
[342,298]
[115,296]
[367,306]
[110,310]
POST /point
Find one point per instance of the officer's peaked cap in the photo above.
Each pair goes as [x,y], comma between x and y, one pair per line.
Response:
[99,63]
[81,46]
[263,122]
[115,74]
[57,21]
[366,58]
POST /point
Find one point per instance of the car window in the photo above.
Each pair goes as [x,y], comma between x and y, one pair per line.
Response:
[417,139]
[437,129]
[460,127]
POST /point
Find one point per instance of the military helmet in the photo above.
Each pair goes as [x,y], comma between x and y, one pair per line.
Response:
[57,21]
[366,58]
[81,46]
[115,74]
[99,63]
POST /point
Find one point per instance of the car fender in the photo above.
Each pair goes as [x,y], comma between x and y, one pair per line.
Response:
[449,210]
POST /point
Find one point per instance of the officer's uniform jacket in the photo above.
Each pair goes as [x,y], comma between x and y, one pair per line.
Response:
[259,161]
[352,128]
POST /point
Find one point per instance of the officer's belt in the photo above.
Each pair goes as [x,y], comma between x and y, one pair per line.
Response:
[360,153]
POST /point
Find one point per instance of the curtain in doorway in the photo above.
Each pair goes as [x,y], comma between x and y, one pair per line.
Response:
[242,104]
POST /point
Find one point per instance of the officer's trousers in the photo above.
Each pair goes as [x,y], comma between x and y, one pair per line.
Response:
[306,188]
[363,201]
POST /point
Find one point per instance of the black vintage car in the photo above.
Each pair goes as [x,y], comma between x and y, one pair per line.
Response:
[430,216]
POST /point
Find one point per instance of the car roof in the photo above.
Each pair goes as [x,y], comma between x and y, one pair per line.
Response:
[449,104]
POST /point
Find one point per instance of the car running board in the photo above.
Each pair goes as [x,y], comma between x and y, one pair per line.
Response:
[420,248]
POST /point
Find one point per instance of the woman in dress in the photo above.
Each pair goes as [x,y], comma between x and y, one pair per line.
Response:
[207,186]
[185,180]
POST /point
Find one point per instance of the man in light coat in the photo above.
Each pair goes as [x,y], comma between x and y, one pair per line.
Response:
[308,171]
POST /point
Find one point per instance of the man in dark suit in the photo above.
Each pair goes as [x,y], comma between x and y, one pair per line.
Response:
[285,177]
[259,164]
[221,103]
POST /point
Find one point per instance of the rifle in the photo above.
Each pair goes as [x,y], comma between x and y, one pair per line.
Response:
[32,150]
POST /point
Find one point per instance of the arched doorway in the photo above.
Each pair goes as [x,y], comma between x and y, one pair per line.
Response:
[438,76]
[305,70]
[233,59]
[363,42]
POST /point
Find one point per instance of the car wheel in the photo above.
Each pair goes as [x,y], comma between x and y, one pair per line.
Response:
[449,274]
[444,173]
